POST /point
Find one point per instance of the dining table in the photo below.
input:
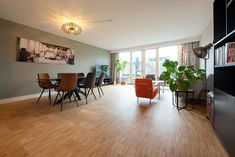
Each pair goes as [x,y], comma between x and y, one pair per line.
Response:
[57,80]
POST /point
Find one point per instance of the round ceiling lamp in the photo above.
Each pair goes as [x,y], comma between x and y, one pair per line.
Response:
[71,28]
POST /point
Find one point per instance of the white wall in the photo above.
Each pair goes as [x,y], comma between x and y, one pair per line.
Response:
[206,38]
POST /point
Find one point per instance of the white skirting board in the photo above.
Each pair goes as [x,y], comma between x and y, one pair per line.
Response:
[19,98]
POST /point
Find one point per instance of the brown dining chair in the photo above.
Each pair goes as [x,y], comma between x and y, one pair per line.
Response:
[45,83]
[99,83]
[88,85]
[67,84]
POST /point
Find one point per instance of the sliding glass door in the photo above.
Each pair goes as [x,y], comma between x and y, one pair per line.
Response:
[146,62]
[150,63]
[125,75]
[136,64]
[170,52]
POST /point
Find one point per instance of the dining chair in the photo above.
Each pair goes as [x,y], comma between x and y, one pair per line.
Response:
[88,85]
[45,83]
[68,83]
[59,75]
[81,77]
[81,74]
[99,83]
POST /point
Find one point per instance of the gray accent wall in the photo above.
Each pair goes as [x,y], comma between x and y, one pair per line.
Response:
[19,78]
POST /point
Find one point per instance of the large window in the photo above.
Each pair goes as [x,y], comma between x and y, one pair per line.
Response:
[170,52]
[136,64]
[146,62]
[125,75]
[150,63]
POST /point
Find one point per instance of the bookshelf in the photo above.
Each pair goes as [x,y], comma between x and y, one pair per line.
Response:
[224,73]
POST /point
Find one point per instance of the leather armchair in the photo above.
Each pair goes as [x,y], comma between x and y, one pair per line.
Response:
[144,88]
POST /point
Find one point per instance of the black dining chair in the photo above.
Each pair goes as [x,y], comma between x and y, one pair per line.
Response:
[67,84]
[45,83]
[81,78]
[99,83]
[81,75]
[88,85]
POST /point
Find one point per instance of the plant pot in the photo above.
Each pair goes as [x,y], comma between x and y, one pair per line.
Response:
[123,83]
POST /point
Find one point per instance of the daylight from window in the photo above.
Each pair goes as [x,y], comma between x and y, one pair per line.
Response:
[136,64]
[125,75]
[146,63]
[170,53]
[150,63]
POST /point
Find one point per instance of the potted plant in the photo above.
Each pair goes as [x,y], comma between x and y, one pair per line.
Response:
[180,77]
[120,65]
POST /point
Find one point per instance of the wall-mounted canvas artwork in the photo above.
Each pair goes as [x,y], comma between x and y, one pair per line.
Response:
[38,52]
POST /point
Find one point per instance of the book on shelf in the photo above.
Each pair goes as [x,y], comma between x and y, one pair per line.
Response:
[225,55]
[230,49]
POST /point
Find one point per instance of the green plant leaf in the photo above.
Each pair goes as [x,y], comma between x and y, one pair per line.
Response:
[181,68]
[185,84]
[165,75]
[173,86]
[180,76]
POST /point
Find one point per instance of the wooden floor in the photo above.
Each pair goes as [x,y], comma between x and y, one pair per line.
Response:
[112,126]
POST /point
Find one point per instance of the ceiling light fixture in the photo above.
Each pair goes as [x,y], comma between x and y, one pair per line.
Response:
[71,28]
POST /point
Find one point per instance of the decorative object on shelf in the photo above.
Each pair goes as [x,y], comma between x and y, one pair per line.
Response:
[120,65]
[32,51]
[203,53]
[71,28]
[180,77]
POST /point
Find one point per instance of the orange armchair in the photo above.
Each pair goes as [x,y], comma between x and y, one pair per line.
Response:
[144,88]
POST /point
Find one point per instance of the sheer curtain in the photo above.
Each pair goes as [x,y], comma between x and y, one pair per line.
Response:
[186,55]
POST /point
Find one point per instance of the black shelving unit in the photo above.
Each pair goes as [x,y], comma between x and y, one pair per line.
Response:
[224,75]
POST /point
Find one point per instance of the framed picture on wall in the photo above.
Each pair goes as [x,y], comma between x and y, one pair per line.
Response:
[32,51]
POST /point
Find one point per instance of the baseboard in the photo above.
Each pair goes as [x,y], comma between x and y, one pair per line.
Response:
[25,97]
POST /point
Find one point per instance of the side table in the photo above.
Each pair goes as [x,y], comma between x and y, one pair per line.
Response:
[176,94]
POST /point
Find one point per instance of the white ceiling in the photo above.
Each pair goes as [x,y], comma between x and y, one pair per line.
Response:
[134,22]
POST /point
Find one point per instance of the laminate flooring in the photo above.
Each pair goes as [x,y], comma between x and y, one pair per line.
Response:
[111,126]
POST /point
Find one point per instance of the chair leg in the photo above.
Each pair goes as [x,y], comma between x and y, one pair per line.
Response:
[93,93]
[88,92]
[86,95]
[137,99]
[50,94]
[99,91]
[150,101]
[61,107]
[40,95]
[75,99]
[56,98]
